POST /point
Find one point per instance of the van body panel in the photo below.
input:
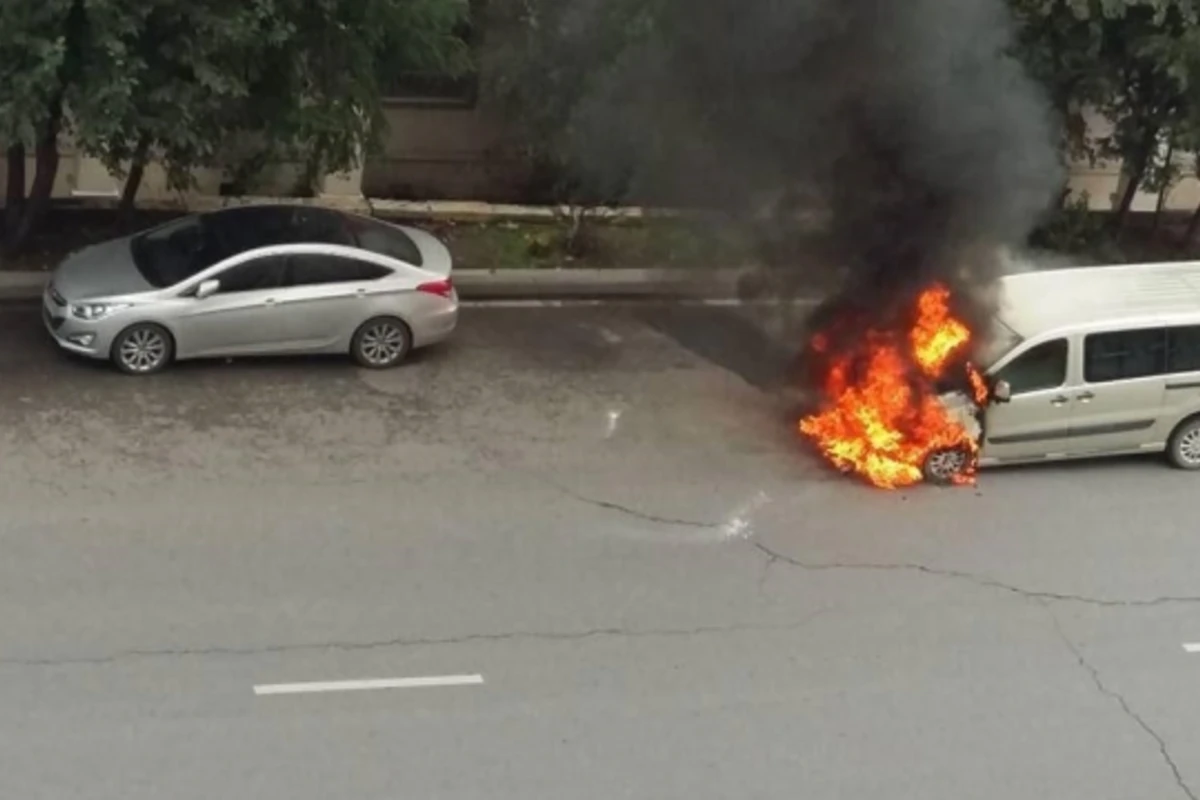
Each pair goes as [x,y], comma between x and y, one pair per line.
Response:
[1117,415]
[1094,410]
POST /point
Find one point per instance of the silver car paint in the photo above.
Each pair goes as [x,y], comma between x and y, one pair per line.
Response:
[302,319]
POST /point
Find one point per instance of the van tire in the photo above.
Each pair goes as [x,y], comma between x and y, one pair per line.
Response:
[1183,448]
[942,466]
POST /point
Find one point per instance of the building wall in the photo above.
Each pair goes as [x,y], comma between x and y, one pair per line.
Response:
[442,152]
[454,151]
[1102,183]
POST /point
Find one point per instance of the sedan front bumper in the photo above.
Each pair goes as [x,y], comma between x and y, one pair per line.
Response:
[73,335]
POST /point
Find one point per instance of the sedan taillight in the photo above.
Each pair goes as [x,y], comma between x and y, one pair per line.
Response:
[443,288]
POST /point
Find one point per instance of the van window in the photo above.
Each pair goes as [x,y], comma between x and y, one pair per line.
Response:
[1183,349]
[1122,355]
[1040,367]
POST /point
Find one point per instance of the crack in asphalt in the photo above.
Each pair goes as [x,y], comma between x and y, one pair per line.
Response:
[979,580]
[633,512]
[924,569]
[379,644]
[1112,694]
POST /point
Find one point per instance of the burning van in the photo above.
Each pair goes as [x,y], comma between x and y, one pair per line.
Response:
[1077,363]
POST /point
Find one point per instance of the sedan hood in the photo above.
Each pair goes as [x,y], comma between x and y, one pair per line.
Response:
[101,270]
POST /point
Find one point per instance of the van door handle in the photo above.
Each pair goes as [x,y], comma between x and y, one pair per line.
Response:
[1061,400]
[1084,397]
[270,301]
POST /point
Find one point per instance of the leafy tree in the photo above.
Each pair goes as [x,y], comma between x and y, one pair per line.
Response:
[315,82]
[1128,60]
[183,79]
[543,61]
[63,68]
[189,63]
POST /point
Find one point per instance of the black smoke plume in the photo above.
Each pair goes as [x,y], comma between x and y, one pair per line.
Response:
[904,126]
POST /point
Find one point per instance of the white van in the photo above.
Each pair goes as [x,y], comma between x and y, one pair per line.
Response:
[1088,361]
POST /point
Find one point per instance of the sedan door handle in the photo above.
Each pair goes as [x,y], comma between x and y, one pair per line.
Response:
[1061,400]
[270,301]
[1084,397]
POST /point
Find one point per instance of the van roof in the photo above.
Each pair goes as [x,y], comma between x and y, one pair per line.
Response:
[1040,301]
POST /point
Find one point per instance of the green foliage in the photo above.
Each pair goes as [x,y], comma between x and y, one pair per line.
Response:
[31,55]
[1136,62]
[542,60]
[315,81]
[1074,228]
[183,80]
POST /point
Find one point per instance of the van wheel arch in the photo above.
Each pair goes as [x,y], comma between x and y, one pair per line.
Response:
[1183,445]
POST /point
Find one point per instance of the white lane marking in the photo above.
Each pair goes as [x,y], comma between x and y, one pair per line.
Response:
[1192,647]
[366,685]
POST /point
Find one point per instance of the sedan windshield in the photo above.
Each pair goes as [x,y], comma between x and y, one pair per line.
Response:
[170,253]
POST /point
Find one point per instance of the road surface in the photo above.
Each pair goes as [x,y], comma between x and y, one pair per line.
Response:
[588,559]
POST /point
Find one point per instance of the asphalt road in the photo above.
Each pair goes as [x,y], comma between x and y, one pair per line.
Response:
[598,513]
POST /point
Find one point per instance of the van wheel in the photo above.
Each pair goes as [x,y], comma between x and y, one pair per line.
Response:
[1183,449]
[943,466]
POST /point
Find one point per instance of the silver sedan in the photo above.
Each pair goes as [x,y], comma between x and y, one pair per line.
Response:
[256,280]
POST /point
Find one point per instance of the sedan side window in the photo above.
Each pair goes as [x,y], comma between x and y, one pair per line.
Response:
[310,270]
[255,275]
[1039,368]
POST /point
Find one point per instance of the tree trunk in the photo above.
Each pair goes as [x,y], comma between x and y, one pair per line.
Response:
[1189,238]
[14,199]
[46,160]
[133,181]
[1168,172]
[1135,170]
[1134,175]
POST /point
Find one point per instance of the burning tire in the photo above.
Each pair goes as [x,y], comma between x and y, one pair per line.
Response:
[946,466]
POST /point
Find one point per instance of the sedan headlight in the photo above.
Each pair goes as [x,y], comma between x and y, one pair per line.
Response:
[95,311]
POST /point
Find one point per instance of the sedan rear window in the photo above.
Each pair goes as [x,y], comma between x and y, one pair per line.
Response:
[387,240]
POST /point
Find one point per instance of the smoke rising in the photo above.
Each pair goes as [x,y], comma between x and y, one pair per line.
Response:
[905,122]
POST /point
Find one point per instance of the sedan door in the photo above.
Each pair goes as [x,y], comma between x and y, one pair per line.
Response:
[1036,422]
[324,298]
[241,318]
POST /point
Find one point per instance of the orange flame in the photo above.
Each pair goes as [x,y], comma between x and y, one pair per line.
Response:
[882,421]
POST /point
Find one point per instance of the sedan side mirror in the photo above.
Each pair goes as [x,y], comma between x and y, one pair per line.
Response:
[1002,392]
[207,288]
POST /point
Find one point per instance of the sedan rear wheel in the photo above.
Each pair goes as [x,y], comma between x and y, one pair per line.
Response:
[142,349]
[381,343]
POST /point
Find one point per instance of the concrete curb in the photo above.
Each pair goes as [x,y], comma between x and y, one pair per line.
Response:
[432,211]
[460,211]
[525,284]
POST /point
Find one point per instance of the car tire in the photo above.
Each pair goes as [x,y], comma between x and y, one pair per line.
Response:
[943,466]
[142,349]
[381,343]
[1183,448]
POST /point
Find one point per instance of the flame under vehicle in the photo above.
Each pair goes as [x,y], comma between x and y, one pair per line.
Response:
[1084,362]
